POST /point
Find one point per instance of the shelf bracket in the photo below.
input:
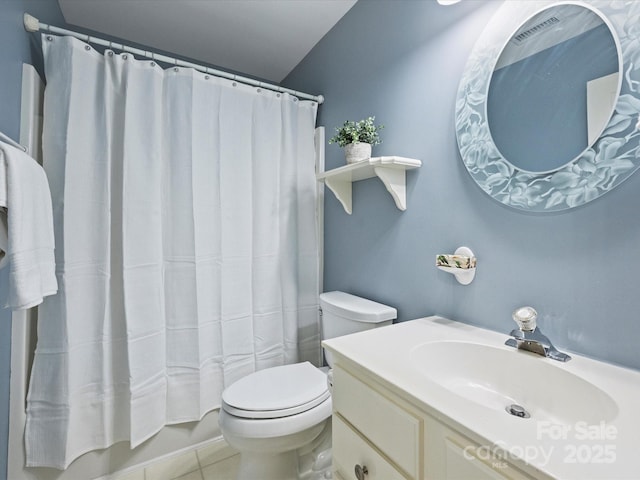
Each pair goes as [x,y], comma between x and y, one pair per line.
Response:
[394,180]
[342,191]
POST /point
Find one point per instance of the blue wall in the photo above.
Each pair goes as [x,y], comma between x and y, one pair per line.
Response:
[402,61]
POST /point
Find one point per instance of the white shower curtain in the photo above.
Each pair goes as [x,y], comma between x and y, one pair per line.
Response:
[186,249]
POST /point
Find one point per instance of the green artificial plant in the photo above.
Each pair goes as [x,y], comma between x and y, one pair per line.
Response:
[364,131]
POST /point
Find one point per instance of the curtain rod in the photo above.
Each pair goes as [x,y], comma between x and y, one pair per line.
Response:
[32,24]
[11,141]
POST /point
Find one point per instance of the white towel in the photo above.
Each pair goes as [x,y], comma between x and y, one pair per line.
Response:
[24,191]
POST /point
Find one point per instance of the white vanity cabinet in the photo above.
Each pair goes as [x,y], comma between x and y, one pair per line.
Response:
[374,430]
[389,438]
[428,399]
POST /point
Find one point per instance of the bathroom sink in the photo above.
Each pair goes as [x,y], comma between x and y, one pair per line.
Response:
[584,417]
[497,378]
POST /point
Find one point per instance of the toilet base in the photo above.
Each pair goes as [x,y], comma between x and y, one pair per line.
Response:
[314,460]
[311,458]
[268,466]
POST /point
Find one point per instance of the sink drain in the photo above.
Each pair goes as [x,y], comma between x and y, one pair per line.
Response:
[517,411]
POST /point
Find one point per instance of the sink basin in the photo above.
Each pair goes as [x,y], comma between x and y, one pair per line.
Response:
[499,377]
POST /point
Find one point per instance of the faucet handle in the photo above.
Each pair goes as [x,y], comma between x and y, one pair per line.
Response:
[525,317]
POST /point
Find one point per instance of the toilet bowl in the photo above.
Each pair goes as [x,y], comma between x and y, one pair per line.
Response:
[271,414]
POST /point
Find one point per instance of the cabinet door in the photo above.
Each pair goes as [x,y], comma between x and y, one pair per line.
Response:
[391,428]
[350,449]
[451,456]
[463,464]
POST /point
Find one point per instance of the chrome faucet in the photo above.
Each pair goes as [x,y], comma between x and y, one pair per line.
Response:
[529,337]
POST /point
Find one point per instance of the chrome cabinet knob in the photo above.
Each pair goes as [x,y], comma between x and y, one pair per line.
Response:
[361,472]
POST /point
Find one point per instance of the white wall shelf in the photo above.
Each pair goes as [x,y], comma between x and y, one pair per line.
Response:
[391,170]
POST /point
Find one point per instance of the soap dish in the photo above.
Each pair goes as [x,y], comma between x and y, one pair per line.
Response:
[462,264]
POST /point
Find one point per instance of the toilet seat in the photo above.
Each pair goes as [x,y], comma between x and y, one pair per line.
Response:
[277,392]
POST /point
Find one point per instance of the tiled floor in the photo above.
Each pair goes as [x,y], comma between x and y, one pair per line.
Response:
[213,462]
[218,461]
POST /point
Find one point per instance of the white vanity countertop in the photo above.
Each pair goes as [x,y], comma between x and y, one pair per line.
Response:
[608,449]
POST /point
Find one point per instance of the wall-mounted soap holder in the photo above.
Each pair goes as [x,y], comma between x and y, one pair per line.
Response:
[462,264]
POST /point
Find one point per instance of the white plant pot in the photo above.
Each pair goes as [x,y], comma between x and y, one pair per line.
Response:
[357,152]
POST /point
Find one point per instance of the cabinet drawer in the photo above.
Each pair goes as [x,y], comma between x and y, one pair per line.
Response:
[350,449]
[390,428]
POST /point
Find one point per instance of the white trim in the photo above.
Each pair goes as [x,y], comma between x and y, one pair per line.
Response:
[23,322]
[320,144]
[320,162]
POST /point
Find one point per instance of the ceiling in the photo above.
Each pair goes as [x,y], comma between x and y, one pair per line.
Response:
[259,38]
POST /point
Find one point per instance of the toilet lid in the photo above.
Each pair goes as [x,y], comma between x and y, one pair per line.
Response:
[277,392]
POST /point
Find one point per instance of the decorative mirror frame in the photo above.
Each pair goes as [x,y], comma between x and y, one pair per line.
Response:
[612,159]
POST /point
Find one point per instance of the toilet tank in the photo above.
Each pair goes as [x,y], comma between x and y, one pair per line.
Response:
[343,313]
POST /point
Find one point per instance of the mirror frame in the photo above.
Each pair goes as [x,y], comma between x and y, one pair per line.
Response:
[612,159]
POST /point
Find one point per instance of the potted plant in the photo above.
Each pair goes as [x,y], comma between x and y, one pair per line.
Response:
[357,138]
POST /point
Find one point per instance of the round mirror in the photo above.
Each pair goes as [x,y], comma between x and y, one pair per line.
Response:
[548,103]
[553,89]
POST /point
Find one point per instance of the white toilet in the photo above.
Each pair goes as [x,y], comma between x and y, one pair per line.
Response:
[270,414]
